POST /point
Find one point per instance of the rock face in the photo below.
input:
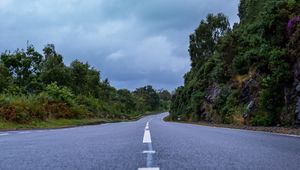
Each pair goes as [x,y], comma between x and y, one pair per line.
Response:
[297,89]
[246,96]
[249,94]
[212,93]
[250,88]
[248,109]
[291,114]
[298,109]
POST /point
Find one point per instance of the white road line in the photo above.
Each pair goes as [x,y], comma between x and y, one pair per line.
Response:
[147,137]
[147,126]
[23,132]
[282,134]
[4,134]
[149,152]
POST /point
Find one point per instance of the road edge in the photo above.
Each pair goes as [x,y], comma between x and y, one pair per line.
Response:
[243,128]
[100,122]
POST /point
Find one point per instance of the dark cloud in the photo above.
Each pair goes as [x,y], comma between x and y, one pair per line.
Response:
[132,42]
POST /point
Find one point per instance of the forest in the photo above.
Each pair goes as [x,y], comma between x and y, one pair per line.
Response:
[245,74]
[39,88]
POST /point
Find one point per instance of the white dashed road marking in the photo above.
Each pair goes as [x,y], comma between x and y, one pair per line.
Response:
[150,151]
[147,126]
[147,137]
[23,132]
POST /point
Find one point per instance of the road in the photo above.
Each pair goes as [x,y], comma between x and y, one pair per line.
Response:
[147,143]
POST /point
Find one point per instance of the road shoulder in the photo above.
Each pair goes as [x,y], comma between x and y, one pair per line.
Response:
[286,131]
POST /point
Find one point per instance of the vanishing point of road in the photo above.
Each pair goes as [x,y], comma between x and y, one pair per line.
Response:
[150,144]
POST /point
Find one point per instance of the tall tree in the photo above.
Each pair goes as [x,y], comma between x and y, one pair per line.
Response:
[125,97]
[24,66]
[164,95]
[150,96]
[53,68]
[203,41]
[5,77]
[79,74]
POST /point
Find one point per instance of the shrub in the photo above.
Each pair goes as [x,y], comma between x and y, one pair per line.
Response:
[21,109]
[261,120]
[91,104]
[58,94]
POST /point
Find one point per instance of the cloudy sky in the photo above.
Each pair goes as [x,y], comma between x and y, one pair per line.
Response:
[132,42]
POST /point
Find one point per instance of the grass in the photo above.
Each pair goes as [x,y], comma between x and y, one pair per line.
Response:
[53,123]
[64,123]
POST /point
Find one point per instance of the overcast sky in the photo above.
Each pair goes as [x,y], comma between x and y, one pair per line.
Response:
[132,42]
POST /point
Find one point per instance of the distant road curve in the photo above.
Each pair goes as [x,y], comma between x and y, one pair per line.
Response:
[149,143]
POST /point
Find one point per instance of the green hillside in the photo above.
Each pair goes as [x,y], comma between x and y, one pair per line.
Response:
[245,74]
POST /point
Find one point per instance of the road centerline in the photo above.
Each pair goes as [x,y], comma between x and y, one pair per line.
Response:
[147,137]
[150,151]
[148,168]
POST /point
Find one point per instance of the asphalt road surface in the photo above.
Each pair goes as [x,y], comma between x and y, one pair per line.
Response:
[149,143]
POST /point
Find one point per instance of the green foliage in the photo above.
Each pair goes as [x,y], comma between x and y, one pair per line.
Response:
[5,78]
[20,109]
[58,94]
[207,67]
[164,95]
[23,65]
[53,69]
[35,87]
[261,120]
[92,105]
[150,97]
[203,41]
[252,63]
[227,103]
[85,80]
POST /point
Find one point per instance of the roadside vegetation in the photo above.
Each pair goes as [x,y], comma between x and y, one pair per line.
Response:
[40,91]
[245,74]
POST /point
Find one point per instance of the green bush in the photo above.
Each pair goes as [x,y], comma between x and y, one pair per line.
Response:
[26,108]
[92,104]
[79,111]
[21,109]
[59,94]
[261,120]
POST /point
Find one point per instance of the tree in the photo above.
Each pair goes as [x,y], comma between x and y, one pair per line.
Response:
[164,95]
[150,96]
[79,75]
[253,65]
[85,80]
[5,77]
[125,97]
[93,82]
[24,66]
[42,87]
[203,41]
[53,69]
[106,91]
